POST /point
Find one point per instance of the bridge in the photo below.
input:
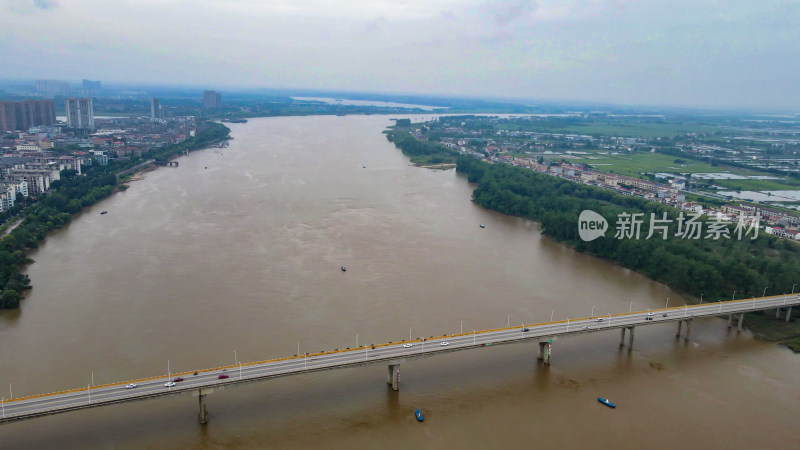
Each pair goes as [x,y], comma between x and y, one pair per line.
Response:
[392,354]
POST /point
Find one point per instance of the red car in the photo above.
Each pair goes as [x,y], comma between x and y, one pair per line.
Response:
[178,379]
[222,376]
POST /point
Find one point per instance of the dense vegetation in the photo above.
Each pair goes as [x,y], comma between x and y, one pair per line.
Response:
[421,152]
[66,197]
[713,268]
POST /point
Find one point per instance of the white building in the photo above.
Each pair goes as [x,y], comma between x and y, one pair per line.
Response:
[80,113]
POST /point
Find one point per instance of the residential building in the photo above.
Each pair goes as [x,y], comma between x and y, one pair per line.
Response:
[155,109]
[8,193]
[80,113]
[212,100]
[90,86]
[9,119]
[26,114]
[52,87]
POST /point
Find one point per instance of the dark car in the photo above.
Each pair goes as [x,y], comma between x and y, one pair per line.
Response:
[526,329]
[222,376]
[178,379]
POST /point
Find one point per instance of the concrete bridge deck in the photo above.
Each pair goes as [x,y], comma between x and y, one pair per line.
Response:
[391,354]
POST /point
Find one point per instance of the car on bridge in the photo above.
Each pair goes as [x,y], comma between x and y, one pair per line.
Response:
[130,386]
[526,329]
[407,345]
[444,343]
[178,379]
[169,384]
[599,319]
[222,376]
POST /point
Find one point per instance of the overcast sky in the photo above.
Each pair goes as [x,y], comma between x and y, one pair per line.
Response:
[741,54]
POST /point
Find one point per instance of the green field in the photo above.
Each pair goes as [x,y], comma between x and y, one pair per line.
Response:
[634,164]
[759,185]
[616,128]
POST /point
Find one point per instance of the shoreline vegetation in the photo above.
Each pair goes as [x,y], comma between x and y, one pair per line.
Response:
[68,196]
[698,268]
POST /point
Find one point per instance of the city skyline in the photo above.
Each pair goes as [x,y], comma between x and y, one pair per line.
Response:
[693,54]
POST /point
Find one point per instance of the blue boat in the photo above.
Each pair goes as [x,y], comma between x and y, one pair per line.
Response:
[344,269]
[606,402]
[418,415]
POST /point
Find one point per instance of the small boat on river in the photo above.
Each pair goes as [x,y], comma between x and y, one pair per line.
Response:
[418,415]
[606,402]
[104,212]
[482,226]
[344,269]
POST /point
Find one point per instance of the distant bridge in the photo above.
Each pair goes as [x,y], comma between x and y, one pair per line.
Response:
[204,382]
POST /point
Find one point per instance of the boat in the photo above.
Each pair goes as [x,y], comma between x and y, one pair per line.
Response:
[606,402]
[344,269]
[104,212]
[481,225]
[418,415]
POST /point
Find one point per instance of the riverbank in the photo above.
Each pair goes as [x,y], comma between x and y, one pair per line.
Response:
[68,197]
[707,267]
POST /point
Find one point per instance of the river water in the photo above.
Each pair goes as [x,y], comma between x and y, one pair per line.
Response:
[235,255]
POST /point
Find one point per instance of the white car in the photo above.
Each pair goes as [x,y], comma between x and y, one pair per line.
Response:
[169,384]
[651,314]
[130,386]
[444,343]
[599,319]
[407,345]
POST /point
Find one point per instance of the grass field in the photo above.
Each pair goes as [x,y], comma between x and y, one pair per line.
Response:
[634,164]
[616,128]
[759,185]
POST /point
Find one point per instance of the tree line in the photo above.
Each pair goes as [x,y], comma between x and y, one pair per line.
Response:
[713,268]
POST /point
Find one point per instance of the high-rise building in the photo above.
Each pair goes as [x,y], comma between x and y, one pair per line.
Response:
[38,112]
[8,116]
[52,87]
[212,99]
[80,113]
[26,114]
[155,109]
[89,85]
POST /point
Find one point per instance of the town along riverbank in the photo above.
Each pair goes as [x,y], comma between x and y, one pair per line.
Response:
[713,268]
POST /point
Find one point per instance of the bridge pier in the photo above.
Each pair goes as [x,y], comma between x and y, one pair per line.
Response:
[622,337]
[741,321]
[778,313]
[788,313]
[203,410]
[544,352]
[688,328]
[394,376]
[630,339]
[730,320]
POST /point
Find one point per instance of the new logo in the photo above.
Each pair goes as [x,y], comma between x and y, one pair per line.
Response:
[591,225]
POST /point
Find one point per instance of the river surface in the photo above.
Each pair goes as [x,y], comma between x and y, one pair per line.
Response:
[236,253]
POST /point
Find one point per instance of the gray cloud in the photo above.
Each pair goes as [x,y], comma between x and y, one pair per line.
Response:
[687,52]
[507,11]
[45,4]
[29,6]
